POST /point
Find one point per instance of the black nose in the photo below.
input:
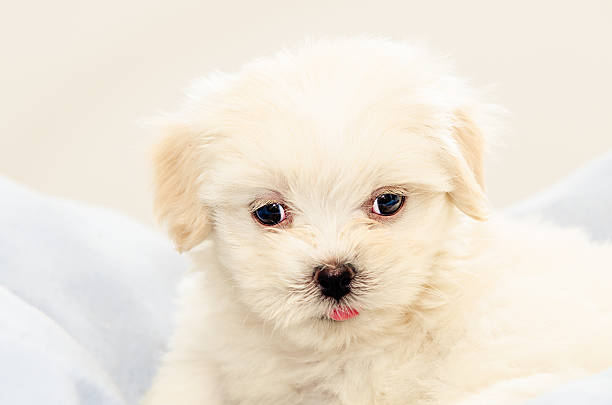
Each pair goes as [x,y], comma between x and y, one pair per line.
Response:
[335,281]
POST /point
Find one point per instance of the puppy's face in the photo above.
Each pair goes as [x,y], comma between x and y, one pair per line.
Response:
[329,181]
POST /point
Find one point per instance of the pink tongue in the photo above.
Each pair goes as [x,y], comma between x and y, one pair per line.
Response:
[342,314]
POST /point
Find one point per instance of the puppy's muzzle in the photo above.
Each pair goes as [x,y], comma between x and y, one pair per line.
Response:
[334,281]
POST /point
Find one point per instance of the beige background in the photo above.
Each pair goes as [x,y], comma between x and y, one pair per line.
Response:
[77,77]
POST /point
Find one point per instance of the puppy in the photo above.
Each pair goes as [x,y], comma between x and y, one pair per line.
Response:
[332,201]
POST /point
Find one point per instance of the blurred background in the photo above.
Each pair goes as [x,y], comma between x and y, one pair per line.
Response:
[78,78]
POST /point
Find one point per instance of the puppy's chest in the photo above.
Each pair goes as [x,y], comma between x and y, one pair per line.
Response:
[337,381]
[376,378]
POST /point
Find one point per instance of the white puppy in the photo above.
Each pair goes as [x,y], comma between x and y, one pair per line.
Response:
[332,201]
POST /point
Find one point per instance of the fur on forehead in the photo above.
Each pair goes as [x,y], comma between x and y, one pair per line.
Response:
[353,112]
[330,85]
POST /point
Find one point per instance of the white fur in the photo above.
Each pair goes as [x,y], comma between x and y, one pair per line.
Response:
[453,308]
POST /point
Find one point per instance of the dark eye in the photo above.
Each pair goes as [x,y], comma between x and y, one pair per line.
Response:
[387,204]
[270,214]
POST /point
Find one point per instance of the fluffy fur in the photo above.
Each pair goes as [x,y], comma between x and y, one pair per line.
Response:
[454,307]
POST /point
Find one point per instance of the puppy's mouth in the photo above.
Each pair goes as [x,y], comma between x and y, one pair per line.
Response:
[340,314]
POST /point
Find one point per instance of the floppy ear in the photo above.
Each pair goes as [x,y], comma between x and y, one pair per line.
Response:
[178,166]
[468,193]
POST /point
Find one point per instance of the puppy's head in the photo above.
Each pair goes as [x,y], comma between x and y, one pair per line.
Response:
[329,179]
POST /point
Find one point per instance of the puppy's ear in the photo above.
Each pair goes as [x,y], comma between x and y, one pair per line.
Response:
[178,166]
[468,193]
